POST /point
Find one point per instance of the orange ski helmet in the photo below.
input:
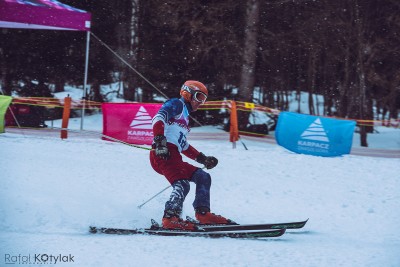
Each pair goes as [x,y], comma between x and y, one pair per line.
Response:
[194,90]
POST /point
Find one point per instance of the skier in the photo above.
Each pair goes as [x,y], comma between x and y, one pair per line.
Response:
[170,128]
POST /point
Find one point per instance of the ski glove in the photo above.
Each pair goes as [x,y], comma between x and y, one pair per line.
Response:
[161,148]
[209,162]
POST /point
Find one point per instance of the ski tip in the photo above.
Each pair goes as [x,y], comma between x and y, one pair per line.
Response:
[303,223]
[92,229]
[282,232]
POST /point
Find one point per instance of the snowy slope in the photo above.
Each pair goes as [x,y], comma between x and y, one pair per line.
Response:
[53,189]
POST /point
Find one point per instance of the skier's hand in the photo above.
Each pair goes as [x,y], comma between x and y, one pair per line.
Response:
[161,148]
[208,161]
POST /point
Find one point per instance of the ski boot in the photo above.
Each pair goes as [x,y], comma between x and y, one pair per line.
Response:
[204,216]
[172,221]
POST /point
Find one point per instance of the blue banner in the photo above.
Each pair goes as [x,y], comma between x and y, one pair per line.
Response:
[312,135]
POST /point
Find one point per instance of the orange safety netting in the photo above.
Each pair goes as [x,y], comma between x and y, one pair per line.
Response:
[50,102]
[210,105]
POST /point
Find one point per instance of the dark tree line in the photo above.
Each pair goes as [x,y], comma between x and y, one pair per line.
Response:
[346,50]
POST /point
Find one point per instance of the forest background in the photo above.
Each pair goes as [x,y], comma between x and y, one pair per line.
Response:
[348,51]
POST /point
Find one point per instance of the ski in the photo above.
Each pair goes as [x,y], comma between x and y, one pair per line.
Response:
[233,230]
[196,233]
[239,227]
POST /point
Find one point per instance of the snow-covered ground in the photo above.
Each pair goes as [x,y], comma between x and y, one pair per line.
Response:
[52,190]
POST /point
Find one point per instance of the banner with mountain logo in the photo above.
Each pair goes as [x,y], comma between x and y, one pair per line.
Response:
[319,136]
[129,122]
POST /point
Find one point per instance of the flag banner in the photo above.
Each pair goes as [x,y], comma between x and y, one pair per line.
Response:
[129,122]
[312,135]
[4,103]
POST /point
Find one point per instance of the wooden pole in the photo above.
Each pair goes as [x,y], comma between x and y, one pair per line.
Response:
[233,130]
[65,118]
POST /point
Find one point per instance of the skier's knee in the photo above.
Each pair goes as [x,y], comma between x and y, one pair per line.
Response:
[182,187]
[201,177]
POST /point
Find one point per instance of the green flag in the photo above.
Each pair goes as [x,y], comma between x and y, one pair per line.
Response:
[4,102]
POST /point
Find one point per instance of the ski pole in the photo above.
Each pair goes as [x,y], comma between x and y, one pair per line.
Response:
[240,139]
[103,135]
[141,205]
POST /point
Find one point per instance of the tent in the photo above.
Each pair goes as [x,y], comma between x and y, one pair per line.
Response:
[42,14]
[48,15]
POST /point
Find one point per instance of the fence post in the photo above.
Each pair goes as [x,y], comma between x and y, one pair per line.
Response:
[65,118]
[233,129]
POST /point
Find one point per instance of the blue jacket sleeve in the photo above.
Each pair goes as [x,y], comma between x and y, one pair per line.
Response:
[170,109]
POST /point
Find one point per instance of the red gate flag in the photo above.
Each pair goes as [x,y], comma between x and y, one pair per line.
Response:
[129,122]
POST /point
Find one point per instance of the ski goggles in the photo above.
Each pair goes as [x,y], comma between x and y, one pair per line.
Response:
[199,96]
